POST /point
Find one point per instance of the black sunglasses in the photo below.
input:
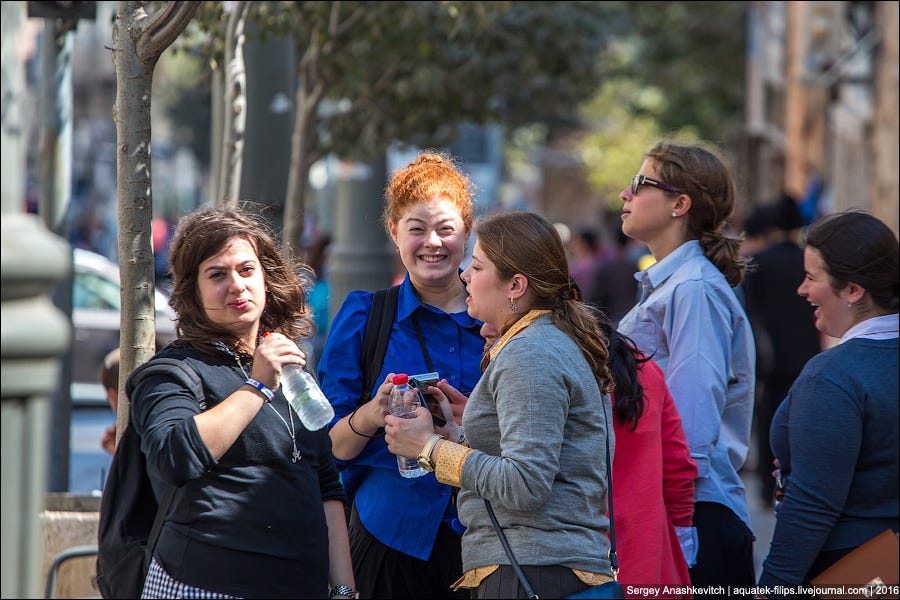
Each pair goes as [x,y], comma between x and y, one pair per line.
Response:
[638,180]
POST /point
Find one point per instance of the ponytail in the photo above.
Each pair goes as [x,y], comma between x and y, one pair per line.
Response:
[725,253]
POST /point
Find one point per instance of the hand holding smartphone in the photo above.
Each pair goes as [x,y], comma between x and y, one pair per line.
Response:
[421,382]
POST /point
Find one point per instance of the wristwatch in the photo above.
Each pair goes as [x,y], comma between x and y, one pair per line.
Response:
[343,590]
[424,456]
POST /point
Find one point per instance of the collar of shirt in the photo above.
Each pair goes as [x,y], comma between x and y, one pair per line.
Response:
[655,275]
[884,327]
[408,302]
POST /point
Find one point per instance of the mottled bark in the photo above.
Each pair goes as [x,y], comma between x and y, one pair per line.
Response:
[235,117]
[138,41]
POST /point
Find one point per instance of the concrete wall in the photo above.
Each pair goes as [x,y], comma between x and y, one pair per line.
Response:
[68,521]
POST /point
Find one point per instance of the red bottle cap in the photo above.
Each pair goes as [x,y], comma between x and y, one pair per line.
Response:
[400,378]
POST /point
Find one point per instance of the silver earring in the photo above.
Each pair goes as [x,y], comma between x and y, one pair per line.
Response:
[674,214]
[512,305]
[850,305]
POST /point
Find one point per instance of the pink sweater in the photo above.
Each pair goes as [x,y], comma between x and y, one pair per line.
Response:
[653,490]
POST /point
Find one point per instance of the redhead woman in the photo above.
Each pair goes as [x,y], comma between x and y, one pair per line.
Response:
[428,216]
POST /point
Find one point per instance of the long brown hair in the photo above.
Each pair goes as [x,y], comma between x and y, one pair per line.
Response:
[527,243]
[204,233]
[699,173]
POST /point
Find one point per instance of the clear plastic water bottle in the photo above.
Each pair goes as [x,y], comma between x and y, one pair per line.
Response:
[404,402]
[305,396]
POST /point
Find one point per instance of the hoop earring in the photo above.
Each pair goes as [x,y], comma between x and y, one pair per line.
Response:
[512,305]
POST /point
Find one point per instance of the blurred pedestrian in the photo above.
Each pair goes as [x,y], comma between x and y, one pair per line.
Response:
[759,229]
[259,509]
[536,424]
[614,290]
[786,336]
[404,532]
[318,295]
[689,320]
[109,379]
[835,435]
[584,259]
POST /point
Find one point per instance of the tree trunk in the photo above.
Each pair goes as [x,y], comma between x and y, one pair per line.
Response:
[138,41]
[217,133]
[235,118]
[301,161]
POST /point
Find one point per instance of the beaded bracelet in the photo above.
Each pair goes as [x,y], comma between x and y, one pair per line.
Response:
[269,394]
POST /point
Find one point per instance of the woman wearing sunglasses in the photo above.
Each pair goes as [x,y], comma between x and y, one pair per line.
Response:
[689,319]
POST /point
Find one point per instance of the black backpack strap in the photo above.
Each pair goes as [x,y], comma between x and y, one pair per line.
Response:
[188,376]
[375,340]
[161,513]
[169,366]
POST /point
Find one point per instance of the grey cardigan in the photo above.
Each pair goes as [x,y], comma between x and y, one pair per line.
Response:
[534,421]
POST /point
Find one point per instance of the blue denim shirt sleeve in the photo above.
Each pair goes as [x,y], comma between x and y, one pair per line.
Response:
[338,369]
[697,366]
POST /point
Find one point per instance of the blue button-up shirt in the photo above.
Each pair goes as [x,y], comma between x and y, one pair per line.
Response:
[404,514]
[690,320]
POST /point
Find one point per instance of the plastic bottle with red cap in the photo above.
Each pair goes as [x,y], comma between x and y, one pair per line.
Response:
[403,403]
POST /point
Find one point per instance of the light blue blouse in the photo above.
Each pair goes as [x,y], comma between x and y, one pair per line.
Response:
[690,320]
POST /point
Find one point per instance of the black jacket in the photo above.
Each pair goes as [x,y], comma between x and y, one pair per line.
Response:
[251,524]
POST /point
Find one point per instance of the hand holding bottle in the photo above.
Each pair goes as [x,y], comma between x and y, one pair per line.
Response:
[403,404]
[300,387]
[272,353]
[407,436]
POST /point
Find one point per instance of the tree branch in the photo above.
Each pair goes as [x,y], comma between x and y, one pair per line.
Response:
[164,27]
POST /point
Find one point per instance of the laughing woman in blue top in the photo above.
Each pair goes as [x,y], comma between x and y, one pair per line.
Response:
[402,537]
[689,319]
[835,435]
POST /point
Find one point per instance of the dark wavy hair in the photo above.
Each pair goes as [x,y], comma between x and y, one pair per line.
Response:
[702,175]
[856,247]
[204,233]
[527,243]
[624,363]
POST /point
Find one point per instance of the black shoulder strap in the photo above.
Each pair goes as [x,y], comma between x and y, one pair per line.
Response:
[168,366]
[187,375]
[375,340]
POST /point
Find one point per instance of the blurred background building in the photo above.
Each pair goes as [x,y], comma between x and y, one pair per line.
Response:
[822,106]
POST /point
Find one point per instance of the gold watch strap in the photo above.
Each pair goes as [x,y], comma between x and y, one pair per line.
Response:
[429,446]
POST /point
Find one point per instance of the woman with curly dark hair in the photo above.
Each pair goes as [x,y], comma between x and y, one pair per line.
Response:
[258,510]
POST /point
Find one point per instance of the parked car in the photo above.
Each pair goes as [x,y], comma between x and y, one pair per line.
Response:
[96,304]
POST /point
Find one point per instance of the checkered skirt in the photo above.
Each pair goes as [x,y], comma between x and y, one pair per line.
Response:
[159,584]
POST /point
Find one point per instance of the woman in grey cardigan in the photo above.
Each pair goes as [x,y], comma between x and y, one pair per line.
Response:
[535,426]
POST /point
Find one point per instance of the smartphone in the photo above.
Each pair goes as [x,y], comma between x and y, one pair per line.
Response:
[422,382]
